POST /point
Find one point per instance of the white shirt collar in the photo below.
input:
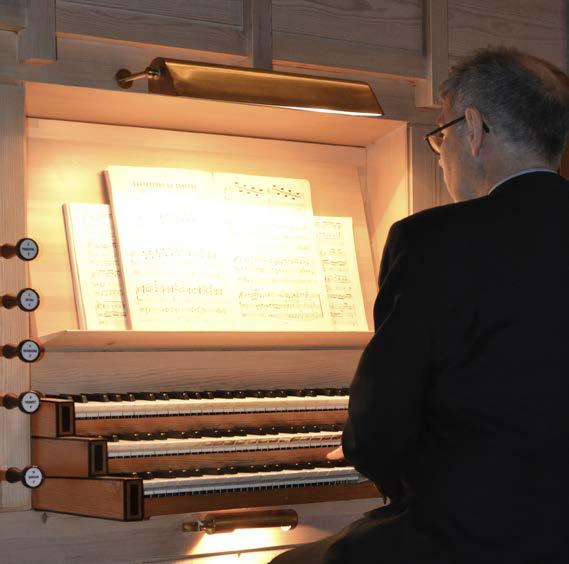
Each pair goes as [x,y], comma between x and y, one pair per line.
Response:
[519,173]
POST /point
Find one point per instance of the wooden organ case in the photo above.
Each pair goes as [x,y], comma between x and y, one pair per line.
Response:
[254,413]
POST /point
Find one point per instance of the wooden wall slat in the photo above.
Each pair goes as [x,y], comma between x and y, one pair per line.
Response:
[258,15]
[87,20]
[36,43]
[14,375]
[378,23]
[307,50]
[535,26]
[12,14]
[215,11]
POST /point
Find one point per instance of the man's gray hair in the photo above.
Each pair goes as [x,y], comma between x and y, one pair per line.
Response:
[523,99]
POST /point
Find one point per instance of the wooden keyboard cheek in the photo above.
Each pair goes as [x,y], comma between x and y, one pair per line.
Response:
[90,427]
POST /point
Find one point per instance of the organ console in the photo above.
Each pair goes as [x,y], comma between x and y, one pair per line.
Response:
[31,476]
[27,300]
[140,423]
[27,350]
[131,456]
[26,402]
[25,249]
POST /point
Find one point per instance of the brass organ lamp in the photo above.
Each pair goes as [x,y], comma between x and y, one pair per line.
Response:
[255,86]
[212,523]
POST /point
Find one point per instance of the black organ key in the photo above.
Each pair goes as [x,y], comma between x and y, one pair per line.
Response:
[190,473]
[164,396]
[296,393]
[276,394]
[165,474]
[77,398]
[98,397]
[179,395]
[240,394]
[289,429]
[255,393]
[325,392]
[177,435]
[115,397]
[240,432]
[250,469]
[255,431]
[224,394]
[146,396]
[311,393]
[212,471]
[230,470]
[128,397]
[146,475]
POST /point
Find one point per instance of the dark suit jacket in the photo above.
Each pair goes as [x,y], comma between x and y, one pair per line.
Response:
[463,392]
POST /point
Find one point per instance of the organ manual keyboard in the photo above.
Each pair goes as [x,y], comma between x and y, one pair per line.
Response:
[130,456]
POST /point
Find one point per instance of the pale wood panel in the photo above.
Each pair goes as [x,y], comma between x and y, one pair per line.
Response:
[36,43]
[309,50]
[387,192]
[66,161]
[535,26]
[258,15]
[203,340]
[87,20]
[12,14]
[436,50]
[378,23]
[77,372]
[217,11]
[94,64]
[427,188]
[14,324]
[29,538]
[176,113]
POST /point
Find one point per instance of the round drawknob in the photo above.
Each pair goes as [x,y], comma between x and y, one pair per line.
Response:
[25,249]
[27,351]
[27,300]
[27,402]
[31,476]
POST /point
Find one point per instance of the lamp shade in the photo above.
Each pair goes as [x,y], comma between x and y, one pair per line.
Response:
[261,87]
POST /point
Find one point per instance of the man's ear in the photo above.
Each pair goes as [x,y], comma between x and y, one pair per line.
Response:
[475,128]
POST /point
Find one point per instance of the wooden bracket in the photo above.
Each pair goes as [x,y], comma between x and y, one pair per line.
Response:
[258,23]
[37,42]
[435,14]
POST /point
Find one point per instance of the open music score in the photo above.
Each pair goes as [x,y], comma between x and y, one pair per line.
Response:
[226,252]
[94,266]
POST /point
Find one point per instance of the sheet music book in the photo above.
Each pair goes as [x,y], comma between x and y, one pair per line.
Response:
[94,267]
[226,252]
[336,245]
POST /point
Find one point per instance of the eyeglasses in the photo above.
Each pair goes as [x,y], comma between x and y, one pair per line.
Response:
[435,139]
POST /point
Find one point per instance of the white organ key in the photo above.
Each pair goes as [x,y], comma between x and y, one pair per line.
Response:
[125,448]
[147,408]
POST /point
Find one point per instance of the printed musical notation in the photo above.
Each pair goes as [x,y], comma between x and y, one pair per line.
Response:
[94,267]
[197,254]
[339,263]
